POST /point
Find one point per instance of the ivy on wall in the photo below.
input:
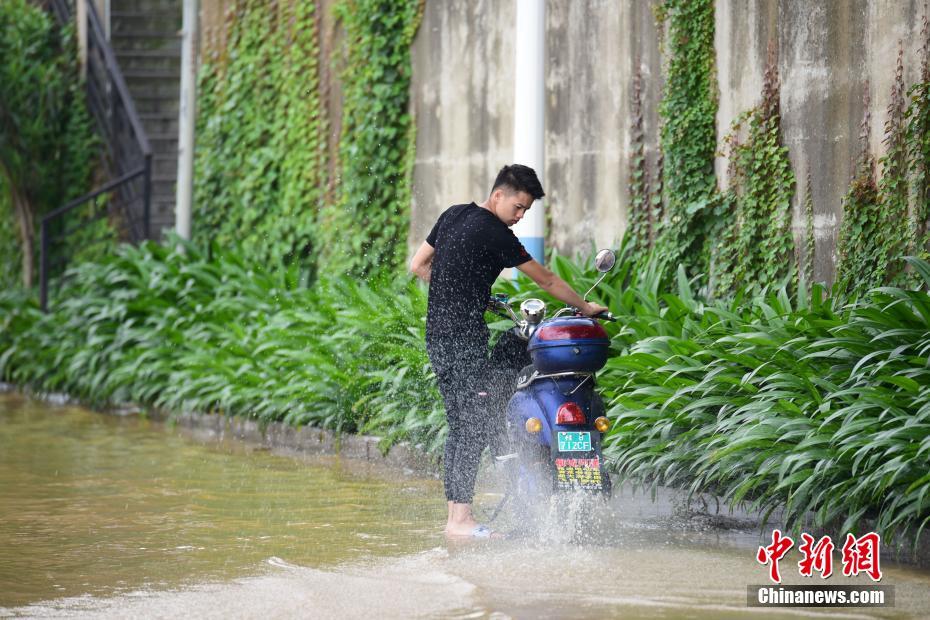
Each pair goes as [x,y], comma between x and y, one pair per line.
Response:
[917,145]
[688,135]
[893,185]
[759,246]
[260,166]
[640,226]
[885,221]
[858,243]
[645,185]
[371,215]
[749,224]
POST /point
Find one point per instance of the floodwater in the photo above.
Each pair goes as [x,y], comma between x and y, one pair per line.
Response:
[102,516]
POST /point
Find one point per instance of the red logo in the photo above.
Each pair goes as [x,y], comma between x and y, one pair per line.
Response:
[817,557]
[860,555]
[773,553]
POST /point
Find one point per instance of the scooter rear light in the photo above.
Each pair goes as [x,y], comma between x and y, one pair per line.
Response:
[580,330]
[568,414]
[533,425]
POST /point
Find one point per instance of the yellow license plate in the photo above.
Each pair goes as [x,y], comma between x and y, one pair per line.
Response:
[579,474]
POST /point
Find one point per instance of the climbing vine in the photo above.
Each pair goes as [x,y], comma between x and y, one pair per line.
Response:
[261,135]
[893,186]
[688,135]
[917,145]
[884,222]
[758,247]
[371,215]
[639,220]
[858,246]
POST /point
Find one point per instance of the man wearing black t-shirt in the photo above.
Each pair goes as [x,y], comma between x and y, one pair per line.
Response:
[463,254]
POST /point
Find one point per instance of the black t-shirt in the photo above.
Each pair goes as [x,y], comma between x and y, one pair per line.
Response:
[472,247]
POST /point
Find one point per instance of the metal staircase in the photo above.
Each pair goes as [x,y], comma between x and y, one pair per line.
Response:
[140,146]
[145,37]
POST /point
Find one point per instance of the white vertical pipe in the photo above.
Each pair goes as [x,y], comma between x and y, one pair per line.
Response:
[186,119]
[80,15]
[529,113]
[103,11]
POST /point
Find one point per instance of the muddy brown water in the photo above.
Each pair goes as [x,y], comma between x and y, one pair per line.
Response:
[102,516]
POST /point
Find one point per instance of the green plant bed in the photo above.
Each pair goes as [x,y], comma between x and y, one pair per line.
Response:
[807,402]
[160,328]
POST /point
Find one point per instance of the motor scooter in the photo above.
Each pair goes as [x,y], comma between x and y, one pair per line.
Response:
[555,418]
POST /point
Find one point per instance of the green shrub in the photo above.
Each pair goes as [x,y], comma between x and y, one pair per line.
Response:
[47,146]
[171,329]
[803,402]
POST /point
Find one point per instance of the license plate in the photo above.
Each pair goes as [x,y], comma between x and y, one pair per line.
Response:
[583,474]
[574,442]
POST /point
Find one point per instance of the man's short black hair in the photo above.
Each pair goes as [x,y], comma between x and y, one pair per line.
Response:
[519,178]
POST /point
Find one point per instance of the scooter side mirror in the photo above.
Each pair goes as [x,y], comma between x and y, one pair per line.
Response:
[605,260]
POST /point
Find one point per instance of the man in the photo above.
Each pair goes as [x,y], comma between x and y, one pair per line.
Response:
[464,253]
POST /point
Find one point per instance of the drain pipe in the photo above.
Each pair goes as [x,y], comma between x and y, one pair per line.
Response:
[529,113]
[186,119]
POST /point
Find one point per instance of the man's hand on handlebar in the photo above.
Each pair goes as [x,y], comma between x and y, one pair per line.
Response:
[592,310]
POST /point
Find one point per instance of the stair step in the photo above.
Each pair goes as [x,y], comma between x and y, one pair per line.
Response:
[148,90]
[145,22]
[152,74]
[148,63]
[165,164]
[159,105]
[158,116]
[164,12]
[145,5]
[168,53]
[123,44]
[165,192]
[157,122]
[145,34]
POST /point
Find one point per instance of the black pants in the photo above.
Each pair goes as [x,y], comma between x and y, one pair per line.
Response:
[475,391]
[462,373]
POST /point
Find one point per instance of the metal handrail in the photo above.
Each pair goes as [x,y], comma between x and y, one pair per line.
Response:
[116,77]
[129,156]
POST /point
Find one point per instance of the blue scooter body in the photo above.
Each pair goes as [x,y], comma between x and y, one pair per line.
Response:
[573,451]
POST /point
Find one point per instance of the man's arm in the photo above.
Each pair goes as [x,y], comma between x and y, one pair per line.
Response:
[421,265]
[558,288]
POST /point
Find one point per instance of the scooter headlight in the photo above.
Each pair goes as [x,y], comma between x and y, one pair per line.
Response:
[533,310]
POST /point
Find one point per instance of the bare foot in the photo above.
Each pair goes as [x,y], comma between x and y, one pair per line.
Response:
[461,523]
[461,529]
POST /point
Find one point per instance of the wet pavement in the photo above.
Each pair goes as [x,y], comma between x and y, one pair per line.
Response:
[103,516]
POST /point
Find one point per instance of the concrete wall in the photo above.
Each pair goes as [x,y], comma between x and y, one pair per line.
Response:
[462,97]
[826,53]
[215,20]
